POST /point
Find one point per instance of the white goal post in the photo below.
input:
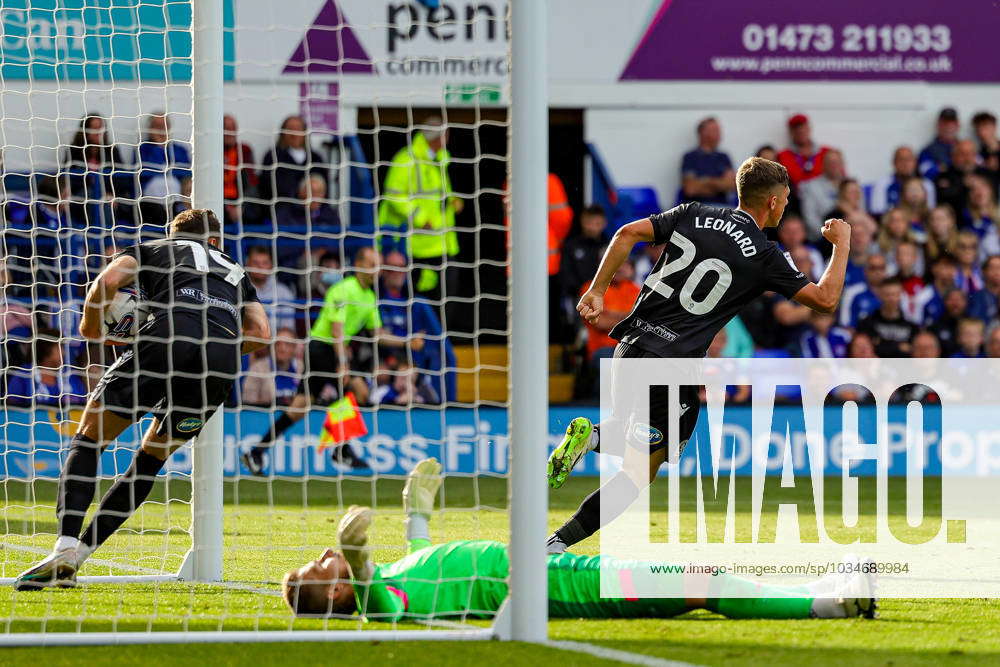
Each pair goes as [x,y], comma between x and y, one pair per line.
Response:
[524,616]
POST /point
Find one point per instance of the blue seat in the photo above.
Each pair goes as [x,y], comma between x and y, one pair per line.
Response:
[622,205]
[771,353]
[642,200]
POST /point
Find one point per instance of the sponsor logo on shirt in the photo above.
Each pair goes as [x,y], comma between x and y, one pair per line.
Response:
[643,431]
[655,329]
[201,297]
[189,424]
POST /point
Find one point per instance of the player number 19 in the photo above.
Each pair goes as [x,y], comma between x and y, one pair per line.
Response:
[724,278]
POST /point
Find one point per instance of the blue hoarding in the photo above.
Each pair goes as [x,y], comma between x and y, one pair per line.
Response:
[466,441]
[101,40]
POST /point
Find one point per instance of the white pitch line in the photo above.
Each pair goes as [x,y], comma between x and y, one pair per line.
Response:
[615,654]
[138,569]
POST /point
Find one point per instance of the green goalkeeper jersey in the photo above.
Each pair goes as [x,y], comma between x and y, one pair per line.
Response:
[469,578]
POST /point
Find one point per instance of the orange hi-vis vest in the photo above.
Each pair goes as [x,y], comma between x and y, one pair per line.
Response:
[560,221]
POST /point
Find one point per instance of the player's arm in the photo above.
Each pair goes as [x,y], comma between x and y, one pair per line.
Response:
[340,349]
[119,273]
[592,302]
[256,327]
[699,186]
[421,489]
[370,591]
[383,337]
[726,182]
[824,295]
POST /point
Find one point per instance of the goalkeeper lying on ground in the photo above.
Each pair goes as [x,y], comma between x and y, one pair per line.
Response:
[469,578]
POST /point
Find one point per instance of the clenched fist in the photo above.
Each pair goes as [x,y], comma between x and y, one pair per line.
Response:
[591,306]
[837,232]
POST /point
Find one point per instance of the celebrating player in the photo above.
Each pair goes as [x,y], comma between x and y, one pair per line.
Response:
[181,368]
[715,260]
[468,578]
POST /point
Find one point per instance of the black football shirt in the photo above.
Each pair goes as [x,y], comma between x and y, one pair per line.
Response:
[715,261]
[179,276]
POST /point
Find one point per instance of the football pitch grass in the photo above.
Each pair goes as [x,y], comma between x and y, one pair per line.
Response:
[272,527]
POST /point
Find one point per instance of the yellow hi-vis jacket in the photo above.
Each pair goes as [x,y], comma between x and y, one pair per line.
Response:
[416,200]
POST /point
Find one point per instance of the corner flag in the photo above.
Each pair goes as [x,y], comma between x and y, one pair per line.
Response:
[343,422]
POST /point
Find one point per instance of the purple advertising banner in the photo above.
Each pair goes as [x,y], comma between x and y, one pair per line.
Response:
[925,40]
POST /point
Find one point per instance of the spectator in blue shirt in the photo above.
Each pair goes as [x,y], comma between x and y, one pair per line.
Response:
[706,172]
[861,300]
[983,304]
[946,326]
[970,338]
[164,171]
[936,156]
[824,339]
[984,124]
[403,385]
[429,349]
[863,230]
[887,192]
[792,237]
[928,303]
[312,209]
[47,383]
[272,379]
[42,235]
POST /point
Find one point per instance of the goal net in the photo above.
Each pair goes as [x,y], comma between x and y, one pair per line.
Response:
[349,125]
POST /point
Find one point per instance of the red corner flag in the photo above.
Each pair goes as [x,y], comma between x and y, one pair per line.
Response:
[343,422]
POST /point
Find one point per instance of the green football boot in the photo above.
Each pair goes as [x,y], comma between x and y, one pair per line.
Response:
[574,445]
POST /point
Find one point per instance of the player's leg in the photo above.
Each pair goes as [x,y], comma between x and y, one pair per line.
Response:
[642,589]
[838,596]
[617,495]
[203,377]
[581,437]
[77,484]
[645,451]
[131,489]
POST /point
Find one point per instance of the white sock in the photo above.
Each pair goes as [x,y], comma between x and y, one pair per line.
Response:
[66,542]
[827,586]
[828,608]
[83,553]
[417,527]
[595,438]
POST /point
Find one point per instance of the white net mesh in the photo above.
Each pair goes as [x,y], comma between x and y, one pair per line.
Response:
[327,103]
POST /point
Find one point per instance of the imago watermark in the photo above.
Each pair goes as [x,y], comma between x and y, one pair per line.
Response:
[785,470]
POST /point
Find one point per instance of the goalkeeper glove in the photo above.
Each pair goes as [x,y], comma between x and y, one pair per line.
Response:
[352,533]
[421,488]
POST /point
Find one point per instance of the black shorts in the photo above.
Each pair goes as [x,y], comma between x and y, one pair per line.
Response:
[321,368]
[181,382]
[659,398]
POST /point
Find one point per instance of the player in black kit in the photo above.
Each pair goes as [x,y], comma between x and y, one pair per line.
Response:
[204,313]
[715,260]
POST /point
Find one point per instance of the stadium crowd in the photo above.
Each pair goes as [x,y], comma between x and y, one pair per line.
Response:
[924,273]
[923,278]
